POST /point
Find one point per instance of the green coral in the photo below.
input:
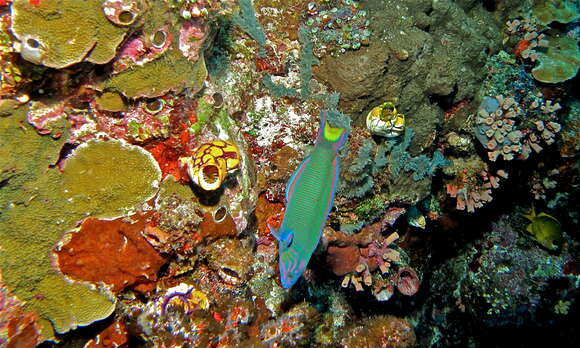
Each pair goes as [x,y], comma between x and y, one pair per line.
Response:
[548,11]
[59,33]
[108,178]
[34,216]
[560,62]
[170,72]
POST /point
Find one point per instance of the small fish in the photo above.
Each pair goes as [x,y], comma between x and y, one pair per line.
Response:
[415,218]
[545,228]
[309,198]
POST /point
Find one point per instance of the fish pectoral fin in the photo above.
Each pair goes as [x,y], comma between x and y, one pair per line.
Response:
[530,229]
[284,239]
[275,231]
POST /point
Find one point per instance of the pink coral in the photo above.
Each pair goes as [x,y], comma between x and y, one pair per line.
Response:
[191,38]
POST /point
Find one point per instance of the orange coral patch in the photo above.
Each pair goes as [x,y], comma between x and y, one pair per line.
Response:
[267,212]
[167,154]
[209,229]
[520,47]
[114,252]
[115,335]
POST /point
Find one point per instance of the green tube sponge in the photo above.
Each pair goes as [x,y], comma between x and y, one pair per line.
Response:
[560,62]
[109,178]
[59,33]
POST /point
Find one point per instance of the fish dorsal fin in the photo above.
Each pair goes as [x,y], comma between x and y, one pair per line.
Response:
[549,217]
[291,183]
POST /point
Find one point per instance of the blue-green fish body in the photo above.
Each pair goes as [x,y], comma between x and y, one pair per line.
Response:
[309,198]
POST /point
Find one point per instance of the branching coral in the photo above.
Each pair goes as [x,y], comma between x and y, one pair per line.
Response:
[421,166]
[247,21]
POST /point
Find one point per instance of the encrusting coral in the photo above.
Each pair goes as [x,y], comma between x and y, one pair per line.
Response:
[113,252]
[59,33]
[33,203]
[166,57]
[87,178]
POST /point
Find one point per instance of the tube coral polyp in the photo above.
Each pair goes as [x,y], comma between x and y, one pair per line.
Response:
[211,162]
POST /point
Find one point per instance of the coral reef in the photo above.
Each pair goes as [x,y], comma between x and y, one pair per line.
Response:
[503,286]
[146,148]
[560,62]
[381,331]
[337,27]
[18,327]
[472,182]
[555,11]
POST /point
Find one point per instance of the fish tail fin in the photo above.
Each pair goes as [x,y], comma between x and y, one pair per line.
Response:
[333,135]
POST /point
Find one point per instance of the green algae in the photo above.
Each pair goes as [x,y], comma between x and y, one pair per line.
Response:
[59,33]
[560,62]
[33,218]
[109,178]
[171,187]
[170,72]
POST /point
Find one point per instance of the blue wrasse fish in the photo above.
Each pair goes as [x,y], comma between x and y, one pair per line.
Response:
[309,198]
